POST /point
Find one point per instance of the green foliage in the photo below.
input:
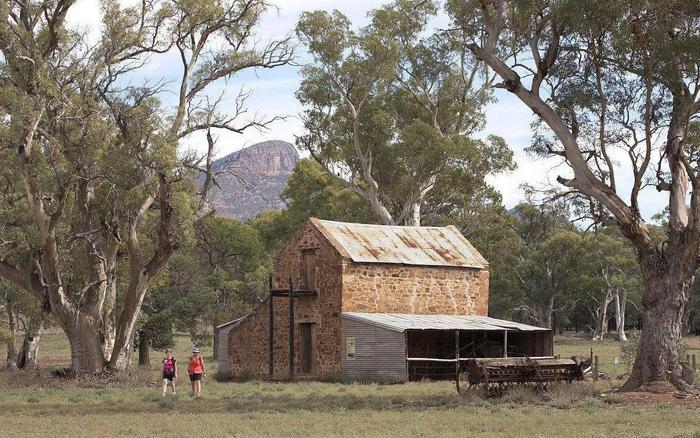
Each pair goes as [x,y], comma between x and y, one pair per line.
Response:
[533,262]
[628,350]
[542,266]
[310,192]
[94,194]
[391,111]
[614,86]
[219,276]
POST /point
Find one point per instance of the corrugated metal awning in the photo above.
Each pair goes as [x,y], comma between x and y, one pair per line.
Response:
[425,246]
[402,321]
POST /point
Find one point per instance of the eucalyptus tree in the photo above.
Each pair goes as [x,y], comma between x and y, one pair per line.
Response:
[217,275]
[392,109]
[8,326]
[97,195]
[612,81]
[543,263]
[609,276]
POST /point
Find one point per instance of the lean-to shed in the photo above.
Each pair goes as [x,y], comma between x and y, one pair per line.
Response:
[401,347]
[221,345]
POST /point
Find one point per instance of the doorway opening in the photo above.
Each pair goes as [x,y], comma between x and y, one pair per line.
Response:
[307,347]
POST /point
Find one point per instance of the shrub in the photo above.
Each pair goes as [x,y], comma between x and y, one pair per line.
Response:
[628,350]
[520,395]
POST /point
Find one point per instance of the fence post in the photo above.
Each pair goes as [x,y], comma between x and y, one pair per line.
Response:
[694,367]
[595,368]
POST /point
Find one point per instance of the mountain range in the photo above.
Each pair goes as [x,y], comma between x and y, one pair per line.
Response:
[250,180]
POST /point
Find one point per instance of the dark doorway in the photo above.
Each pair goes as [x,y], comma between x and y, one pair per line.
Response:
[307,347]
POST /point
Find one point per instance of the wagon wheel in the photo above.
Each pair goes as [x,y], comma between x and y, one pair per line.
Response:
[462,381]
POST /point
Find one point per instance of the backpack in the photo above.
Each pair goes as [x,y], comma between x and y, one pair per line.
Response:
[169,365]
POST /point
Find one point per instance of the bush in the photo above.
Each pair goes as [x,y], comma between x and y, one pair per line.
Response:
[521,395]
[628,350]
[572,392]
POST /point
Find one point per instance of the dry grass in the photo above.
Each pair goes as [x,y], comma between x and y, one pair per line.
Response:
[607,350]
[523,422]
[33,403]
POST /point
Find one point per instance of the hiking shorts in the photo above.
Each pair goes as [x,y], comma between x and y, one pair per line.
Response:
[168,376]
[196,376]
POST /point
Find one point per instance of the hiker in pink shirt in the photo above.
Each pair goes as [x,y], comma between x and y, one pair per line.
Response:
[169,371]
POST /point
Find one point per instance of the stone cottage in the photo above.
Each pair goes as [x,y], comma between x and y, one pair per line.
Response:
[365,301]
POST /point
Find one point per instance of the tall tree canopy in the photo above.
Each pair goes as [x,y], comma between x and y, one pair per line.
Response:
[612,81]
[218,275]
[392,110]
[95,195]
[547,271]
[310,192]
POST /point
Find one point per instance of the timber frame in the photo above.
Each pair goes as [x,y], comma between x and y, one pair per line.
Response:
[290,293]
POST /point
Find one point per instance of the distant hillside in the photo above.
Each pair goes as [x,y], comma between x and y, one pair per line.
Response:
[251,180]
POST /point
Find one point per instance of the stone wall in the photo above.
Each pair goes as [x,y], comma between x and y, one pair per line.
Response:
[248,342]
[365,288]
[375,288]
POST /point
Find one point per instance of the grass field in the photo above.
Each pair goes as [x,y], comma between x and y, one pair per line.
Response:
[35,404]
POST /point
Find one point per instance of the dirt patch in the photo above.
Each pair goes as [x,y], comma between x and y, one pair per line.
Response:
[679,399]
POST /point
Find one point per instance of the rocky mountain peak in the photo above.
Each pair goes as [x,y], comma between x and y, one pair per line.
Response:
[250,180]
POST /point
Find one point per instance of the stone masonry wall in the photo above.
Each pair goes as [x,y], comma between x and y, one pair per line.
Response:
[376,288]
[248,342]
[344,286]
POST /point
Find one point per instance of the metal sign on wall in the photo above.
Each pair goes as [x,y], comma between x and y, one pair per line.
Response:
[350,348]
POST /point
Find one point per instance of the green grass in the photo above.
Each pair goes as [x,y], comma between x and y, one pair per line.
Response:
[34,404]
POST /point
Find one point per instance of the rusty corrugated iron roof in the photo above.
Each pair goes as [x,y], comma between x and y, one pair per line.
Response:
[401,322]
[425,246]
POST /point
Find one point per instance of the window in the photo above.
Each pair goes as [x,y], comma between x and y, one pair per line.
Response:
[309,257]
[307,348]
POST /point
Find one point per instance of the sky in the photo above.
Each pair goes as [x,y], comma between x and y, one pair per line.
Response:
[273,94]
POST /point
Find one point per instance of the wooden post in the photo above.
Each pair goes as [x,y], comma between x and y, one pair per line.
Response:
[457,359]
[473,338]
[271,328]
[291,329]
[595,368]
[505,343]
[694,368]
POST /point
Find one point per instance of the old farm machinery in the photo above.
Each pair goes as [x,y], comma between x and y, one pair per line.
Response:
[498,374]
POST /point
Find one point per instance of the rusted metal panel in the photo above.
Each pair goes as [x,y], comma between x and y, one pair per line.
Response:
[400,322]
[371,353]
[424,246]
